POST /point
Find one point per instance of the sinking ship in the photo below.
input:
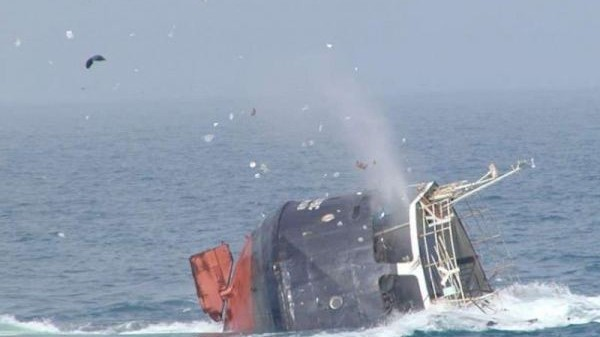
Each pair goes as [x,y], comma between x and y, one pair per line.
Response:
[347,262]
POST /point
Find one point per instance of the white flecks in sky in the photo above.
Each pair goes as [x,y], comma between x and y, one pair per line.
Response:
[336,174]
[61,235]
[329,45]
[305,107]
[215,124]
[18,42]
[69,34]
[171,32]
[209,137]
[403,140]
[320,127]
[264,168]
[231,116]
[257,175]
[252,164]
[327,217]
[356,69]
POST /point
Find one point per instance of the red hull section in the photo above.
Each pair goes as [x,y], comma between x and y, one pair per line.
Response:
[212,270]
[239,312]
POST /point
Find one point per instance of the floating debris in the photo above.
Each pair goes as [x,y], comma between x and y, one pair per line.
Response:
[209,137]
[69,34]
[91,60]
[252,164]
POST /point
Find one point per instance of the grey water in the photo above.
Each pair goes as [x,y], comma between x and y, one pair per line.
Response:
[102,204]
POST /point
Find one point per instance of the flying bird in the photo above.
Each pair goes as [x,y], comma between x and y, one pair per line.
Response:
[91,60]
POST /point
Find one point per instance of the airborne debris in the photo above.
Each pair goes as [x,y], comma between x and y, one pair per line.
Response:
[252,164]
[253,113]
[335,174]
[69,34]
[18,43]
[264,168]
[257,175]
[91,60]
[231,116]
[361,165]
[171,32]
[215,124]
[329,45]
[209,137]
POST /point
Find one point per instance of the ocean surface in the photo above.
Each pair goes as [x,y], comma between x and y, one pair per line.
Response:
[102,204]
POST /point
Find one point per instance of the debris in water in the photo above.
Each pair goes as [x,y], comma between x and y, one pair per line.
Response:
[69,34]
[209,137]
[252,164]
[91,60]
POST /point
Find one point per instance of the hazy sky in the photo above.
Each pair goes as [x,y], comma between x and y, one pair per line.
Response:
[198,49]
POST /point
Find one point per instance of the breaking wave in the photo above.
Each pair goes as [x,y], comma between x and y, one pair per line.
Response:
[10,326]
[518,307]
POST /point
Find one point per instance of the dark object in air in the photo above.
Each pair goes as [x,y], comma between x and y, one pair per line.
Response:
[93,59]
[361,165]
[346,262]
[253,113]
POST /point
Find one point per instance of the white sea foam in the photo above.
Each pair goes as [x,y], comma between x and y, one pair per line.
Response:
[10,326]
[516,308]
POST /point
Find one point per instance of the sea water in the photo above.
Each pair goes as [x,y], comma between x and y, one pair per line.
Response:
[102,204]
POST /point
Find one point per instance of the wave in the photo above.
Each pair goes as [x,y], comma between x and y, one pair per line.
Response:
[519,307]
[10,326]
